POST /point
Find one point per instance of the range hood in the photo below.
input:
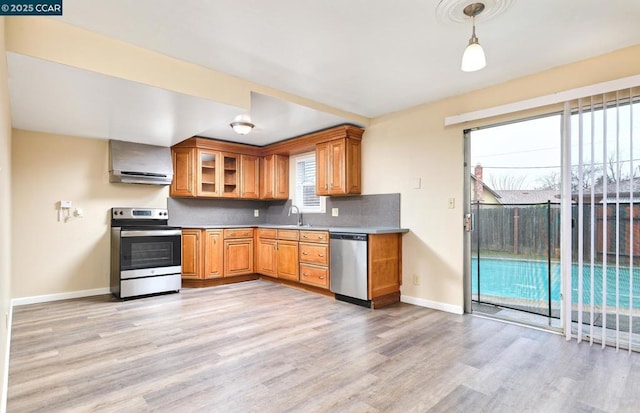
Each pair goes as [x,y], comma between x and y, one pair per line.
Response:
[136,163]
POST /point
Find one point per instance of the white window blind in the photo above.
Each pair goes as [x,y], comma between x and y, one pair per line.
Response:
[603,301]
[305,191]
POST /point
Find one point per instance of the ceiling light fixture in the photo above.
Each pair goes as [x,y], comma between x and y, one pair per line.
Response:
[242,124]
[473,58]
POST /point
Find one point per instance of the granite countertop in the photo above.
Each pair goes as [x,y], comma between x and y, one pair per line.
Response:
[361,230]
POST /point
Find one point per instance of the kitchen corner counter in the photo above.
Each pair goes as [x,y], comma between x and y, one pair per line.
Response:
[360,230]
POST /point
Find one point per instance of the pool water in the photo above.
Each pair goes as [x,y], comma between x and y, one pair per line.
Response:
[529,280]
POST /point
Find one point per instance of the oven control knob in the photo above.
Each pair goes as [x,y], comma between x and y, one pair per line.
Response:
[121,212]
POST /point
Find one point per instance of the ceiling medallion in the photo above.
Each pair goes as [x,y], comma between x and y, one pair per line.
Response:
[449,11]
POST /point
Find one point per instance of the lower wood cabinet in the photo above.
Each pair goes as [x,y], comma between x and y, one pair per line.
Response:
[191,254]
[266,256]
[277,253]
[238,251]
[287,252]
[202,254]
[314,258]
[385,268]
[213,254]
[314,275]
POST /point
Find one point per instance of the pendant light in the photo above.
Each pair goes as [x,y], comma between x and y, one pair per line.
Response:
[473,58]
[242,124]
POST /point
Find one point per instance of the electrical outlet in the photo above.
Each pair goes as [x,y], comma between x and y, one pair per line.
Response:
[256,212]
[334,212]
[416,279]
[65,204]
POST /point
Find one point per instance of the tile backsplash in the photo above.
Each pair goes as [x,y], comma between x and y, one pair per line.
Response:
[379,210]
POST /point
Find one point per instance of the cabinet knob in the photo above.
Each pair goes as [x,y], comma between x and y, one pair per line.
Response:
[320,255]
[305,253]
[321,277]
[305,274]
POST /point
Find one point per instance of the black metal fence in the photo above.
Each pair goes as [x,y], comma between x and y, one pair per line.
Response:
[516,249]
[516,252]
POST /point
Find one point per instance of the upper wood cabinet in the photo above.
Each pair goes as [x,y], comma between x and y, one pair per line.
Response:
[211,168]
[183,184]
[274,177]
[249,177]
[207,173]
[230,175]
[338,165]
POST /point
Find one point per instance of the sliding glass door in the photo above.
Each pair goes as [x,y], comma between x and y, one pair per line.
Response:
[514,207]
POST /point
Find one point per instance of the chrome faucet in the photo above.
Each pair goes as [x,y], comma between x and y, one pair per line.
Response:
[297,212]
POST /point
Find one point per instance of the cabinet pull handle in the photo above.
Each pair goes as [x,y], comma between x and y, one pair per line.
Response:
[304,236]
[321,277]
[305,253]
[305,274]
[320,255]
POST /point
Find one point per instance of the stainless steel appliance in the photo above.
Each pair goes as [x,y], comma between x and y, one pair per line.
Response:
[146,253]
[137,163]
[349,275]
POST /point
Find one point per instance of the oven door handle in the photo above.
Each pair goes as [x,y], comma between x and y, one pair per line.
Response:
[155,233]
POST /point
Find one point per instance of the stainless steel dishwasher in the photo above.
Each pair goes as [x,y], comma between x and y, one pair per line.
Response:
[349,267]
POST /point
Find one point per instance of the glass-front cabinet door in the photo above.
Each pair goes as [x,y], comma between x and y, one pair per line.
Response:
[208,173]
[230,175]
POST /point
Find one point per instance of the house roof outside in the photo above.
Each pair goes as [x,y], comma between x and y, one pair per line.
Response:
[486,187]
[532,196]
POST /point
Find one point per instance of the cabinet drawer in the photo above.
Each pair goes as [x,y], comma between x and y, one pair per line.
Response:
[289,234]
[267,233]
[314,253]
[238,233]
[315,236]
[318,276]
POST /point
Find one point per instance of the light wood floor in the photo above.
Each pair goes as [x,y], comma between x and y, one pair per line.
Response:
[262,347]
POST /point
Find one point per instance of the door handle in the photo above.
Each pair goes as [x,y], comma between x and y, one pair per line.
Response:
[468,222]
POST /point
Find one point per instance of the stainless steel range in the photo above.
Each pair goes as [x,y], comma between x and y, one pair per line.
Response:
[146,253]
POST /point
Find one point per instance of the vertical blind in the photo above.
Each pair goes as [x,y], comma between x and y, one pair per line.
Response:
[602,195]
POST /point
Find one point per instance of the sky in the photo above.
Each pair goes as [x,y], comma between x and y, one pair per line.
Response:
[520,155]
[525,150]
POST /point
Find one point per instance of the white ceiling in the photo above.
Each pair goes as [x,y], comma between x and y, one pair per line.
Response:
[54,98]
[369,57]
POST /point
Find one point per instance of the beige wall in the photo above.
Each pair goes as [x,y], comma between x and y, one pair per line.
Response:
[5,214]
[51,257]
[415,144]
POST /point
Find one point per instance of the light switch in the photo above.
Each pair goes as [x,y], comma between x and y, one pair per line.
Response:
[416,183]
[452,203]
[256,212]
[334,212]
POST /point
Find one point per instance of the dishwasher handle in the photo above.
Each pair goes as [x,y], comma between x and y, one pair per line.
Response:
[349,236]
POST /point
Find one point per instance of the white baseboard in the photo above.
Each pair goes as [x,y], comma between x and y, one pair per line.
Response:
[5,373]
[436,305]
[56,297]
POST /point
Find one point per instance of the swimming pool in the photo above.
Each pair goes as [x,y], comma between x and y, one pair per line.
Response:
[528,280]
